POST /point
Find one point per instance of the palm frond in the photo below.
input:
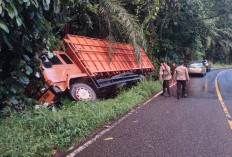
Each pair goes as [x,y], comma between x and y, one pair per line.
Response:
[113,9]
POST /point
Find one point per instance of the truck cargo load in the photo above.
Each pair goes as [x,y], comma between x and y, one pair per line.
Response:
[89,66]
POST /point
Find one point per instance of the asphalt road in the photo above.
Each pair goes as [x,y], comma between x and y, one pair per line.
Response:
[167,127]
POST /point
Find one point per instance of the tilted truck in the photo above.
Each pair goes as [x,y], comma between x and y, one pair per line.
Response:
[89,66]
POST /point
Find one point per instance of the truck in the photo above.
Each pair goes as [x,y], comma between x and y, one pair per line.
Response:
[86,67]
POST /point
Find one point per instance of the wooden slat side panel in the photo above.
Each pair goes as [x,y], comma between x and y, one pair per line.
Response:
[95,54]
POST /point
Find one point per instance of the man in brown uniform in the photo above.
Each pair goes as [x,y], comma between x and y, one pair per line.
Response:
[182,76]
[166,76]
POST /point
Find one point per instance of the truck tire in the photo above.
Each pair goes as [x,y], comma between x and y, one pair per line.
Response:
[81,91]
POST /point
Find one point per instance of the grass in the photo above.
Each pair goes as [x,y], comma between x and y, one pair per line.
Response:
[41,132]
[221,65]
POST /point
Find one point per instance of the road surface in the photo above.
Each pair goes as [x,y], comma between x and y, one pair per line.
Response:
[166,127]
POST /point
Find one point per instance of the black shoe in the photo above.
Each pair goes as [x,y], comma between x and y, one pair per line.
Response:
[162,94]
[178,96]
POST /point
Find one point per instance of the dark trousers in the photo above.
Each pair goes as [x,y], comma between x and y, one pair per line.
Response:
[166,85]
[179,84]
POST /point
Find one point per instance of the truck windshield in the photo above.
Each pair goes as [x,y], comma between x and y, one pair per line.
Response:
[66,59]
[55,60]
[48,62]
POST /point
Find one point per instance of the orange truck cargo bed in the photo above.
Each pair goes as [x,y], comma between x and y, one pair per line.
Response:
[97,56]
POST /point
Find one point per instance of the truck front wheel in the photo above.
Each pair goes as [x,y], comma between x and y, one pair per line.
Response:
[81,91]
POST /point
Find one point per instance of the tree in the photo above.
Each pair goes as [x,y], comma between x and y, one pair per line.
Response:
[218,16]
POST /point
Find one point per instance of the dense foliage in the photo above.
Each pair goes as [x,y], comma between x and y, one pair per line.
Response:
[167,29]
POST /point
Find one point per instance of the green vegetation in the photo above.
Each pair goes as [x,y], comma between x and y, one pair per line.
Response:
[39,132]
[219,65]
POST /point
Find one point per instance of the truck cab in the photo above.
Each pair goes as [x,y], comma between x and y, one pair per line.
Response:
[58,70]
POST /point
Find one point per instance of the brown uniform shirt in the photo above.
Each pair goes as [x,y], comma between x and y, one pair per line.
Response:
[181,73]
[167,73]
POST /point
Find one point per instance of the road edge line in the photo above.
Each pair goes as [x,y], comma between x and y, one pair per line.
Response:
[86,144]
[223,105]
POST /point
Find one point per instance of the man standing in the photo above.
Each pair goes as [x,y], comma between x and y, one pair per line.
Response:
[182,77]
[166,77]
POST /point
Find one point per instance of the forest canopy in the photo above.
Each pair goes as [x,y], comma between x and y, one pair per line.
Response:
[168,30]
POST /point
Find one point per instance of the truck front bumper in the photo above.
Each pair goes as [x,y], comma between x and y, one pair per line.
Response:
[50,94]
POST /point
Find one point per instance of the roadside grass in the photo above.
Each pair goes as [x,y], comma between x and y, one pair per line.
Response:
[41,132]
[221,65]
